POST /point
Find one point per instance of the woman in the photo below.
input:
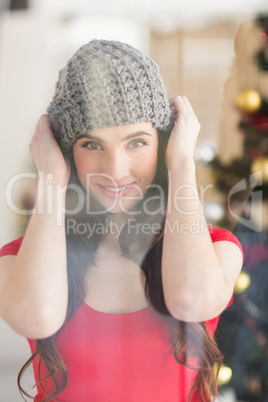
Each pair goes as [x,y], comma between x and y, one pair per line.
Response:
[121,302]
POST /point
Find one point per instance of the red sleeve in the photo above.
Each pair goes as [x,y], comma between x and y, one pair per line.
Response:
[224,235]
[11,248]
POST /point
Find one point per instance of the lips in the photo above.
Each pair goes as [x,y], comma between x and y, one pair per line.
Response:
[115,189]
[116,192]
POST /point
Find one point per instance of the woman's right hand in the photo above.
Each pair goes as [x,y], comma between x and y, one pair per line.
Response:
[46,152]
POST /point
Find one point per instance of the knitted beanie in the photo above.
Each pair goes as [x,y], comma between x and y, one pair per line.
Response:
[106,84]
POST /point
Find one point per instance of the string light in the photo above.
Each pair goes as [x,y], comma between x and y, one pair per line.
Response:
[225,375]
[242,283]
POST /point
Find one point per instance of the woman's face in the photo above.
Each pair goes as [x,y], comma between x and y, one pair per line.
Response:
[117,164]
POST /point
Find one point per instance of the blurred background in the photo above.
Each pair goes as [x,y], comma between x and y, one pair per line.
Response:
[216,54]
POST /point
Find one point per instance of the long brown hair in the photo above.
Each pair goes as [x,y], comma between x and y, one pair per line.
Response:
[190,340]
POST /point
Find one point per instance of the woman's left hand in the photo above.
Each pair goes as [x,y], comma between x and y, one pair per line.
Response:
[185,131]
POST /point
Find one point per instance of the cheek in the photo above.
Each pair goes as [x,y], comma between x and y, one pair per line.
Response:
[84,167]
[148,166]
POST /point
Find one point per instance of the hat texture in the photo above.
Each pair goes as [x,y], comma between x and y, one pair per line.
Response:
[106,84]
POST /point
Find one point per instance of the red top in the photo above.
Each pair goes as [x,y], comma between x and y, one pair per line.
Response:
[120,357]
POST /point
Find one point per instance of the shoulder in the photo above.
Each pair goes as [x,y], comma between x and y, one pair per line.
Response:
[223,235]
[217,234]
[11,248]
[8,253]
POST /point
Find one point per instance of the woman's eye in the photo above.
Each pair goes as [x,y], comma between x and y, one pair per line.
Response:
[138,143]
[92,145]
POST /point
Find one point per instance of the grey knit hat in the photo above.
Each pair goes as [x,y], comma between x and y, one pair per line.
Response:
[106,84]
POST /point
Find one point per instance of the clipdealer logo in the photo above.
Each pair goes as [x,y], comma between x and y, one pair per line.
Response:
[254,221]
[51,197]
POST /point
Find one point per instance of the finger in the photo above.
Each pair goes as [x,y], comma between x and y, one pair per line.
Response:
[188,104]
[174,112]
[45,124]
[178,104]
[67,158]
[50,125]
[55,129]
[55,125]
[38,124]
[173,101]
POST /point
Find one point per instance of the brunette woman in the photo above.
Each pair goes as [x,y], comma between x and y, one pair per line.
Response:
[118,282]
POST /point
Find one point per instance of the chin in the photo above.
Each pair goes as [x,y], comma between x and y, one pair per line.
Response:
[118,205]
[119,208]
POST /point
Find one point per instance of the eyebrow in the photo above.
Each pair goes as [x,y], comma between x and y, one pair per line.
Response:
[128,137]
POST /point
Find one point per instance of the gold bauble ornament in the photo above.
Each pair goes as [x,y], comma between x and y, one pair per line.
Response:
[225,375]
[248,101]
[260,165]
[242,283]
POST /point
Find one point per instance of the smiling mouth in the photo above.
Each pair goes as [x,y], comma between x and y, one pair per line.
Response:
[116,191]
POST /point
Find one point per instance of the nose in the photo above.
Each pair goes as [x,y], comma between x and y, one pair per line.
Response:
[117,165]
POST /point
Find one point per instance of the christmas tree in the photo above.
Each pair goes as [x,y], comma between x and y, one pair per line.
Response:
[244,326]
